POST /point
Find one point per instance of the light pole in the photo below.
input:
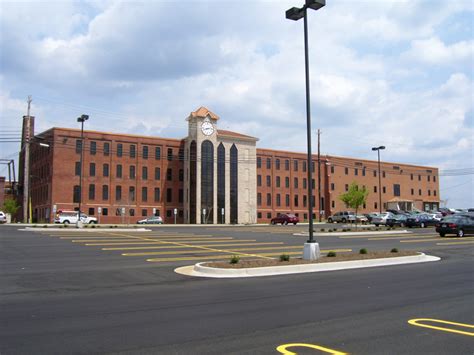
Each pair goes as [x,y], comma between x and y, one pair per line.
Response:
[378,149]
[81,119]
[296,14]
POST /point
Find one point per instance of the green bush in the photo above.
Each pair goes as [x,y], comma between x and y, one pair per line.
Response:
[284,257]
[65,225]
[34,226]
[93,226]
[394,250]
[363,251]
[331,254]
[323,230]
[234,259]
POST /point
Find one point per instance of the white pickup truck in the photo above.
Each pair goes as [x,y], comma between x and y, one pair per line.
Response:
[67,217]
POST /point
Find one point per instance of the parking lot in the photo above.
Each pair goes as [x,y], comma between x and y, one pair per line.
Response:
[100,291]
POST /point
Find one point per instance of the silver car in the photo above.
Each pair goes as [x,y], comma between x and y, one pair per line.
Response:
[381,218]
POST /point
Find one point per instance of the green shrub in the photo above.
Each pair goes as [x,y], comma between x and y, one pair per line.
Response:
[284,257]
[234,259]
[65,225]
[394,250]
[330,230]
[363,251]
[323,230]
[34,226]
[93,226]
[331,254]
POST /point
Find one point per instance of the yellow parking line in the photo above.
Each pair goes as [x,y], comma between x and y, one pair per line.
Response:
[217,257]
[230,251]
[178,246]
[102,240]
[417,323]
[138,242]
[455,243]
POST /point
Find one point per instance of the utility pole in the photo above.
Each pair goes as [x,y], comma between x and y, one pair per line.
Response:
[26,177]
[319,174]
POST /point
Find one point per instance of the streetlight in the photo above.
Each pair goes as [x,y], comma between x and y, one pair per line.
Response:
[296,14]
[81,119]
[378,149]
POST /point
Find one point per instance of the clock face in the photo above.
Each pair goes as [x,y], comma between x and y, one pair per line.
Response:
[207,128]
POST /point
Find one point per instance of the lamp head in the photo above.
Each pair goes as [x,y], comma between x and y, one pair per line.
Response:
[315,4]
[83,118]
[295,13]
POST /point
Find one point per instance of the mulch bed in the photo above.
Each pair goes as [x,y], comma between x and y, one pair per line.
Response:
[295,261]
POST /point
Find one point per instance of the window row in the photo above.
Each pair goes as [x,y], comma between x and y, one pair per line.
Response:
[145,191]
[145,212]
[132,150]
[278,200]
[286,162]
[131,172]
[296,181]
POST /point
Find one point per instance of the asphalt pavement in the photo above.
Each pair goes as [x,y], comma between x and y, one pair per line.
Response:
[60,294]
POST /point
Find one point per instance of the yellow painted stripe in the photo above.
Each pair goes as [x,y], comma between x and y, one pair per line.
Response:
[219,257]
[283,349]
[417,322]
[230,251]
[102,240]
[128,243]
[178,246]
[148,240]
[455,243]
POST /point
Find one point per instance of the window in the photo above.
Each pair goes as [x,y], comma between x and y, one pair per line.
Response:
[332,169]
[287,200]
[304,166]
[295,182]
[269,199]
[92,169]
[259,199]
[133,151]
[76,194]
[277,164]
[363,172]
[169,195]
[157,174]
[333,204]
[346,171]
[259,162]
[412,191]
[269,163]
[157,153]
[287,164]
[93,148]
[77,168]
[105,211]
[356,171]
[383,174]
[132,171]
[259,214]
[419,192]
[434,179]
[278,181]
[411,176]
[332,186]
[396,190]
[144,194]
[295,165]
[375,173]
[287,182]
[269,181]
[375,205]
[91,211]
[346,187]
[259,180]
[105,170]
[384,190]
[157,194]
[278,200]
[144,173]
[313,166]
[428,178]
[119,149]
[429,192]
[434,192]
[106,149]
[131,212]
[78,146]
[169,174]
[105,192]
[91,192]
[170,154]
[181,174]
[118,193]
[180,195]
[269,215]
[296,200]
[375,188]
[304,183]
[144,212]
[305,200]
[419,177]
[131,193]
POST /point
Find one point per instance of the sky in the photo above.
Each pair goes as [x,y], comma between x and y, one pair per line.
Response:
[393,73]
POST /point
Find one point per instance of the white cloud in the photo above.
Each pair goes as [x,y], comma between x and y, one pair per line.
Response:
[434,51]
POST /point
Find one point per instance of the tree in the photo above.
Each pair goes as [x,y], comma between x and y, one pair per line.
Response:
[10,206]
[355,197]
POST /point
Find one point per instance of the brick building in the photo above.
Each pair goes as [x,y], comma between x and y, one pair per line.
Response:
[210,176]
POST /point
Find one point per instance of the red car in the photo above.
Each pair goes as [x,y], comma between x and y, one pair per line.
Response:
[285,219]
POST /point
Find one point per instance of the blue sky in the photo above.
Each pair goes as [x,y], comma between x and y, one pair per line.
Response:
[393,73]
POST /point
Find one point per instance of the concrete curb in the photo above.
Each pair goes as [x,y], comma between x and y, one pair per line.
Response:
[403,231]
[199,270]
[85,230]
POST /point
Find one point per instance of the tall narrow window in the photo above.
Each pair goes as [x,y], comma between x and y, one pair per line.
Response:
[169,174]
[76,194]
[259,162]
[105,192]
[77,168]
[157,153]
[105,170]
[144,173]
[131,193]
[132,171]
[118,193]
[277,164]
[221,183]
[133,151]
[234,155]
[170,154]
[93,148]
[295,163]
[119,149]
[192,181]
[269,163]
[145,152]
[78,146]
[207,182]
[106,149]
[92,169]
[157,173]
[157,194]
[144,194]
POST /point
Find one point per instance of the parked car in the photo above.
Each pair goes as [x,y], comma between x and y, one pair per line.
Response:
[381,218]
[396,220]
[437,216]
[421,220]
[3,217]
[445,211]
[370,215]
[285,218]
[151,220]
[455,224]
[362,219]
[343,217]
[67,217]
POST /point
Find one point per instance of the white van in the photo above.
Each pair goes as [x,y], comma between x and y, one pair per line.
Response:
[67,217]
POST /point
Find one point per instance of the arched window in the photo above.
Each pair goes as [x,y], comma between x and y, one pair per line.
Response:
[192,182]
[207,182]
[234,193]
[220,183]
